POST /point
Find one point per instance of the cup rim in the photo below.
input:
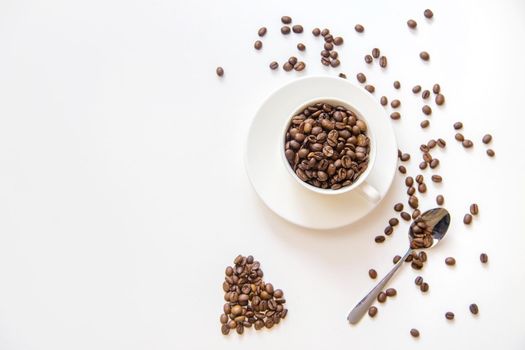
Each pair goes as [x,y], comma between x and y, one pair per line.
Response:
[371,154]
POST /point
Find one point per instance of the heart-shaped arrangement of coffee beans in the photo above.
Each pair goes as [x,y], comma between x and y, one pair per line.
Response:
[249,300]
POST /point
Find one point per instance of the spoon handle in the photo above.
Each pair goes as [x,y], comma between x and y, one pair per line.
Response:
[360,309]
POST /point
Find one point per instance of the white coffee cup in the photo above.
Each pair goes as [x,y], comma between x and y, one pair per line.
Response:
[360,185]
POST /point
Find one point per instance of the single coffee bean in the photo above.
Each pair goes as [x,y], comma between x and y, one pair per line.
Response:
[474,209]
[467,219]
[424,55]
[413,202]
[424,124]
[440,99]
[484,258]
[328,46]
[487,138]
[372,311]
[219,71]
[415,214]
[381,297]
[338,41]
[423,165]
[325,32]
[395,115]
[390,292]
[436,89]
[420,179]
[287,66]
[342,75]
[474,309]
[450,261]
[316,31]
[286,19]
[328,38]
[437,178]
[409,181]
[402,169]
[299,66]
[376,52]
[383,62]
[301,47]
[335,63]
[405,216]
[428,13]
[372,273]
[395,103]
[424,287]
[459,137]
[383,100]
[416,89]
[425,94]
[440,199]
[458,125]
[434,163]
[359,28]
[449,315]
[388,230]
[361,78]
[398,207]
[422,188]
[379,239]
[368,59]
[441,143]
[370,88]
[467,143]
[396,259]
[427,110]
[431,143]
[297,28]
[397,85]
[414,332]
[292,60]
[274,65]
[411,24]
[262,31]
[258,45]
[418,281]
[393,222]
[285,30]
[334,54]
[491,153]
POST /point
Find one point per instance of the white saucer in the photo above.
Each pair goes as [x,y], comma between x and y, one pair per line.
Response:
[279,191]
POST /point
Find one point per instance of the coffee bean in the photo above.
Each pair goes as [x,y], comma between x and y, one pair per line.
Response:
[474,209]
[316,31]
[411,191]
[409,181]
[383,62]
[405,216]
[379,239]
[335,63]
[427,110]
[334,54]
[361,78]
[388,230]
[440,99]
[398,207]
[372,273]
[416,89]
[328,38]
[376,52]
[359,28]
[395,115]
[413,202]
[285,30]
[491,153]
[325,32]
[474,309]
[411,24]
[390,292]
[424,287]
[393,221]
[274,65]
[437,178]
[487,138]
[342,75]
[440,199]
[286,19]
[405,157]
[436,89]
[467,143]
[414,332]
[425,94]
[459,137]
[372,311]
[219,71]
[467,219]
[415,214]
[381,297]
[299,66]
[301,47]
[368,59]
[338,41]
[484,258]
[402,169]
[418,281]
[287,66]
[297,28]
[424,55]
[370,88]
[434,163]
[422,188]
[328,46]
[458,125]
[424,124]
[450,261]
[258,45]
[431,143]
[428,13]
[395,103]
[441,143]
[262,31]
[423,165]
[397,85]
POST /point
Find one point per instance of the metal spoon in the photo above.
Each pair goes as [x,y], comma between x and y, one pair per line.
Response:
[435,222]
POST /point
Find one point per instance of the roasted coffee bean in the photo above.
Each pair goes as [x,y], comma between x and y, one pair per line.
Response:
[458,125]
[301,47]
[474,309]
[393,222]
[416,89]
[423,165]
[383,62]
[325,53]
[335,63]
[379,239]
[467,219]
[372,311]
[424,55]
[491,153]
[398,207]
[405,157]
[434,163]
[368,59]
[381,297]
[299,66]
[376,52]
[425,94]
[383,101]
[441,143]
[328,46]
[440,199]
[425,123]
[286,19]
[459,137]
[395,103]
[274,65]
[424,287]
[297,28]
[359,28]
[219,71]
[484,258]
[333,54]
[487,138]
[411,191]
[411,24]
[405,216]
[474,209]
[427,110]
[287,66]
[428,13]
[390,292]
[436,178]
[409,181]
[431,143]
[342,75]
[422,188]
[413,202]
[450,261]
[262,31]
[372,273]
[292,60]
[416,213]
[418,281]
[285,30]
[361,78]
[395,115]
[449,315]
[467,143]
[440,99]
[436,89]
[402,169]
[370,88]
[316,31]
[338,41]
[388,230]
[325,32]
[258,45]
[397,85]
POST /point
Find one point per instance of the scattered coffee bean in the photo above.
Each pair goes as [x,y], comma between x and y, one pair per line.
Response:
[428,13]
[402,169]
[395,260]
[359,28]
[398,207]
[328,46]
[381,297]
[424,55]
[487,138]
[414,332]
[286,19]
[424,124]
[301,47]
[370,88]
[297,28]
[262,31]
[422,188]
[361,78]
[219,71]
[467,143]
[372,311]
[413,202]
[484,258]
[491,153]
[437,178]
[467,219]
[436,89]
[333,54]
[474,209]
[372,273]
[328,38]
[292,60]
[411,24]
[474,309]
[258,45]
[316,31]
[449,315]
[416,89]
[393,222]
[338,41]
[285,30]
[325,32]
[441,143]
[440,99]
[440,199]
[427,110]
[416,214]
[459,137]
[450,261]
[424,287]
[368,59]
[299,66]
[383,62]
[379,239]
[342,75]
[395,115]
[395,103]
[425,94]
[458,125]
[405,157]
[397,84]
[383,100]
[376,52]
[388,230]
[405,216]
[287,66]
[409,181]
[390,292]
[418,281]
[274,65]
[411,191]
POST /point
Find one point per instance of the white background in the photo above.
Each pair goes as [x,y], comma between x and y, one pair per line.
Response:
[123,194]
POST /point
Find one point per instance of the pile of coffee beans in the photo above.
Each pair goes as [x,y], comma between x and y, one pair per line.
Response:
[420,234]
[327,146]
[249,300]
